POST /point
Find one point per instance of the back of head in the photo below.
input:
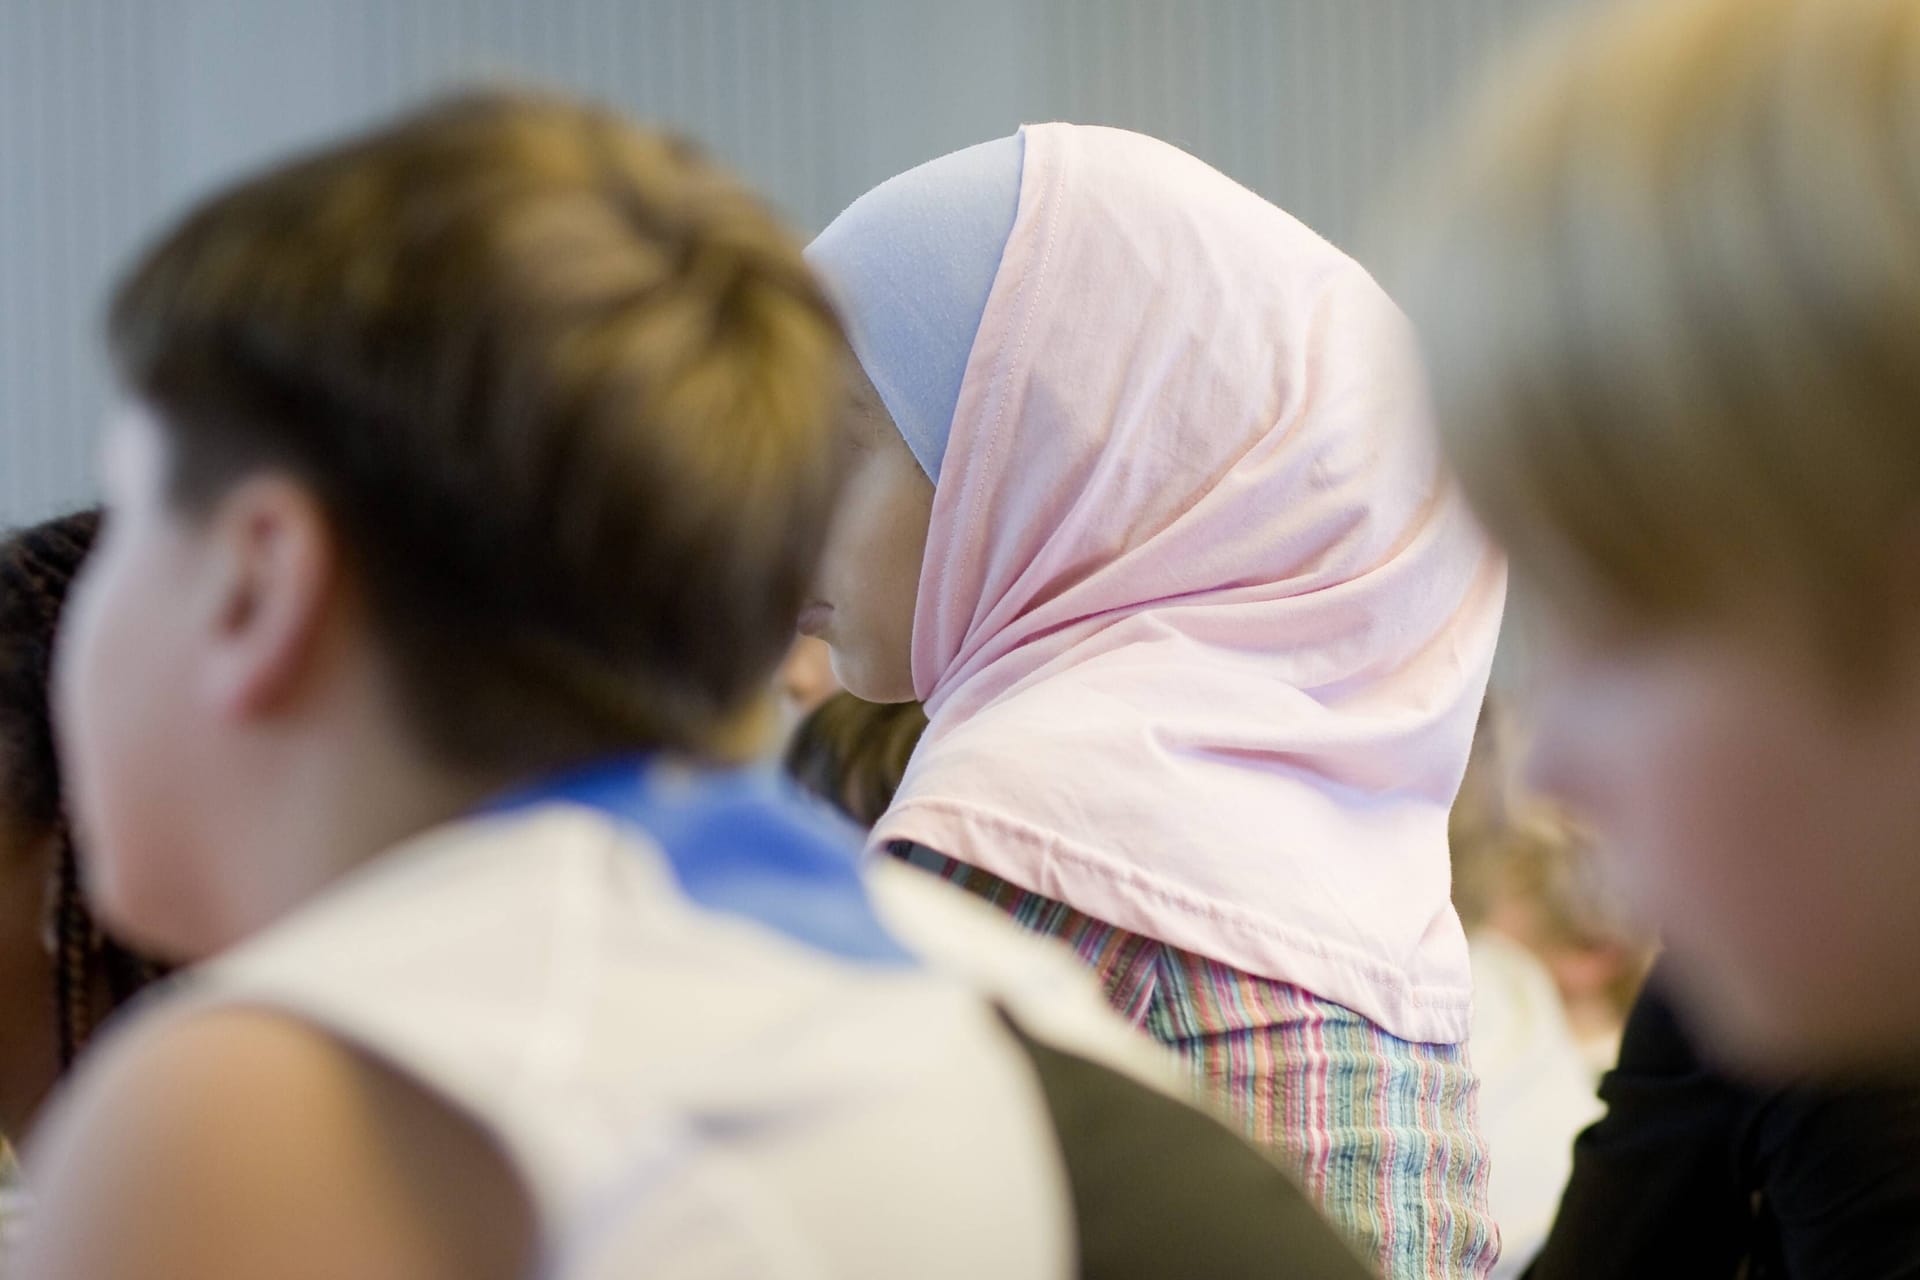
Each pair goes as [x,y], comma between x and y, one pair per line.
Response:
[563,389]
[1669,289]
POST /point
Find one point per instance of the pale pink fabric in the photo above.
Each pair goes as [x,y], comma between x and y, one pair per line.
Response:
[1202,628]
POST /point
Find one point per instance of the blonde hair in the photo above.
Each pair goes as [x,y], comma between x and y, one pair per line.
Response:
[1512,847]
[1507,839]
[1669,288]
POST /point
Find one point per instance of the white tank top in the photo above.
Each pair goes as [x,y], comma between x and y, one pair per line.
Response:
[711,1044]
[769,1087]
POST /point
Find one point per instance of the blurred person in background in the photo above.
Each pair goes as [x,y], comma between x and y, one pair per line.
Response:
[1143,508]
[803,682]
[852,753]
[1555,968]
[806,676]
[1669,286]
[60,976]
[1527,875]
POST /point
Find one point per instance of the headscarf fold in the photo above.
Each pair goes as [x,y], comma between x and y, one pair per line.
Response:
[912,262]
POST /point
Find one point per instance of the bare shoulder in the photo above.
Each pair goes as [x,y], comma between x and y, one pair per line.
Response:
[247,1143]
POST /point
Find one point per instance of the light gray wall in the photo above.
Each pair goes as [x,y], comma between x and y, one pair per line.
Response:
[113,113]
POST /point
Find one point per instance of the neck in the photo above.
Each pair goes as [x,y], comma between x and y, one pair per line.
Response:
[319,800]
[368,811]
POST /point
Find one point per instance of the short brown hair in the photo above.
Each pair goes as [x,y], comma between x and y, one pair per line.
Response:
[564,388]
[1669,288]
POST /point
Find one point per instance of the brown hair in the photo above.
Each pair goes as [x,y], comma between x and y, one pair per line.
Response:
[37,570]
[1670,293]
[853,753]
[563,387]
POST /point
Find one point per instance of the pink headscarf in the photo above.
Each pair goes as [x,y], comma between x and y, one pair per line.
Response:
[1202,628]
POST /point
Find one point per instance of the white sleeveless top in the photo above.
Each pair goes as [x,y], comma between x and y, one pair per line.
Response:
[708,1044]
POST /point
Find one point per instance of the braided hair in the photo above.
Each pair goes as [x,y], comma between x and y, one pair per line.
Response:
[37,567]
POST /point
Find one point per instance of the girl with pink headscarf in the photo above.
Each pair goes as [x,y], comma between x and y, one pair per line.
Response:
[1142,506]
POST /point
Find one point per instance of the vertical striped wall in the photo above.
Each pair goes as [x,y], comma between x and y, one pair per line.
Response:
[115,112]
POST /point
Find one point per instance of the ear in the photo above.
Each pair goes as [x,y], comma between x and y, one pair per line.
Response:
[273,591]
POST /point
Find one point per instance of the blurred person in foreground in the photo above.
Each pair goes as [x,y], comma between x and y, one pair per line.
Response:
[1688,1168]
[1669,287]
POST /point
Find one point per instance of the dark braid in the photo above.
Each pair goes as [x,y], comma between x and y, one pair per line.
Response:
[73,967]
[37,567]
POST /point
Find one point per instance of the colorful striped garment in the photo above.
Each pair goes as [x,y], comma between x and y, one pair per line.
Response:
[1383,1132]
